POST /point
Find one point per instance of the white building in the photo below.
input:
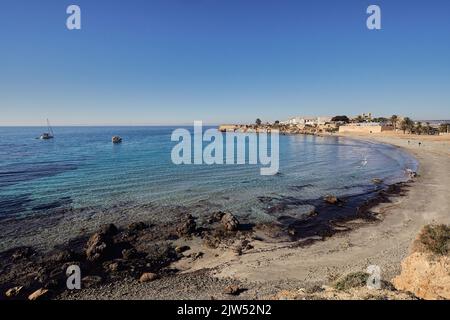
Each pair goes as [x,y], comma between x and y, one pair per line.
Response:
[311,121]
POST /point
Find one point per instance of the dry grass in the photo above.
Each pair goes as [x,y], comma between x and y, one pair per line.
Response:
[352,280]
[436,238]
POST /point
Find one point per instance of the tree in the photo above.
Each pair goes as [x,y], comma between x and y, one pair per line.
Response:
[359,119]
[344,119]
[418,129]
[380,120]
[407,124]
[277,122]
[394,120]
[444,127]
[258,122]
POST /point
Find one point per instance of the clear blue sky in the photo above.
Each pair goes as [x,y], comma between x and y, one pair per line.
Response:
[176,61]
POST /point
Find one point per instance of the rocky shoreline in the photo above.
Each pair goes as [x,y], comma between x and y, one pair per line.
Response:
[146,251]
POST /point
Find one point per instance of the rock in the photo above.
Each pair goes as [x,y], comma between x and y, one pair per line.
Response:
[426,277]
[187,227]
[137,226]
[108,230]
[377,181]
[412,174]
[129,254]
[159,256]
[242,246]
[61,256]
[426,271]
[22,253]
[148,277]
[216,217]
[13,292]
[99,245]
[197,255]
[233,290]
[181,249]
[331,199]
[230,222]
[39,294]
[91,281]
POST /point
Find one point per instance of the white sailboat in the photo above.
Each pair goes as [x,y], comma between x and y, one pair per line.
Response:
[49,134]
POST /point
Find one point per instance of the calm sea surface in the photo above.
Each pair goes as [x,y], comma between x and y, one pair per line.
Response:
[82,168]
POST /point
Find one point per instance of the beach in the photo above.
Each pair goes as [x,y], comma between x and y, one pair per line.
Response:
[268,269]
[266,262]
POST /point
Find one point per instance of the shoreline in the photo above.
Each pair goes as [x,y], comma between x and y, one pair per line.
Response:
[268,267]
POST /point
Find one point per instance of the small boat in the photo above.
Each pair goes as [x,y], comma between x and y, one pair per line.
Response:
[116,139]
[47,135]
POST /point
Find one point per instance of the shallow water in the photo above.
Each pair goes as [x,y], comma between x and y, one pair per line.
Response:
[82,168]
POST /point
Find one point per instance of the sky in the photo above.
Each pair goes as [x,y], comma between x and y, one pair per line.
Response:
[140,62]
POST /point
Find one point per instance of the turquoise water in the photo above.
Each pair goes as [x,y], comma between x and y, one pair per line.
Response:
[81,168]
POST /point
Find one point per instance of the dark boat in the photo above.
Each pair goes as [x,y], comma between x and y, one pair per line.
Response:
[116,139]
[47,135]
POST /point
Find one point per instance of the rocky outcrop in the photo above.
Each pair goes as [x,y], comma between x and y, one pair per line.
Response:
[425,277]
[426,271]
[187,227]
[330,199]
[230,222]
[99,245]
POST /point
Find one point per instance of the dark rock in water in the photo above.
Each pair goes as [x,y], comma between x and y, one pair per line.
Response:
[230,222]
[188,226]
[331,199]
[99,246]
[377,181]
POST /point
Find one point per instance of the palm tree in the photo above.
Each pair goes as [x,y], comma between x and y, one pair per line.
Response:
[427,128]
[359,119]
[394,120]
[444,127]
[407,124]
[418,128]
[258,122]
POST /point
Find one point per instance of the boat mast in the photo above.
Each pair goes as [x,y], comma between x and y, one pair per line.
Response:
[50,130]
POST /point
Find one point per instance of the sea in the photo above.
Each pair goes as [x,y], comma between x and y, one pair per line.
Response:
[81,168]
